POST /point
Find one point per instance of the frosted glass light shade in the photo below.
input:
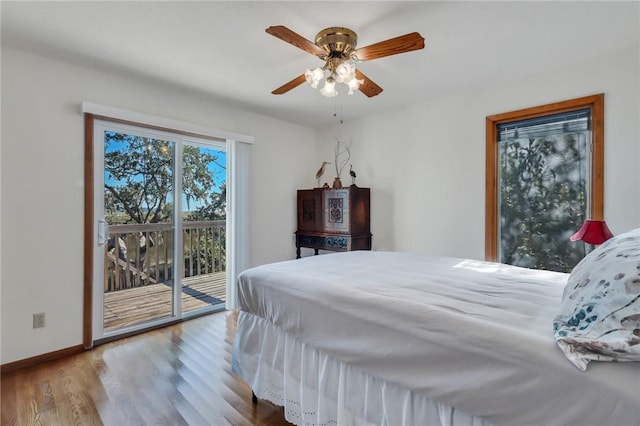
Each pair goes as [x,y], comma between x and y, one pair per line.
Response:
[329,88]
[354,84]
[313,76]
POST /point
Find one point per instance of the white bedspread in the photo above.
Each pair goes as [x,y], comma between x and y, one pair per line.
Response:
[473,335]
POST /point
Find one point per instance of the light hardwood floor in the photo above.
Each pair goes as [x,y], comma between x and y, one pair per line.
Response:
[177,375]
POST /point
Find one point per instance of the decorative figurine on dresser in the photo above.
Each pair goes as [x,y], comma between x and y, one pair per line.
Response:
[333,219]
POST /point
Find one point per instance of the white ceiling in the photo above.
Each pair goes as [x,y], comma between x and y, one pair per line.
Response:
[221,48]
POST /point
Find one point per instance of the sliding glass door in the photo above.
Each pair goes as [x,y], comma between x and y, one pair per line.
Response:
[204,227]
[160,206]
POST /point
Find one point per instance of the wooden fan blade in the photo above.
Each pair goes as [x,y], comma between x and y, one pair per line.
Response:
[369,88]
[393,46]
[290,85]
[285,34]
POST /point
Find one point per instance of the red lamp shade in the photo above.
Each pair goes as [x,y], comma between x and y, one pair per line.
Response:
[592,232]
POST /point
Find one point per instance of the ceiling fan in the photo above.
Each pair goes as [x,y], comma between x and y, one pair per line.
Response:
[337,47]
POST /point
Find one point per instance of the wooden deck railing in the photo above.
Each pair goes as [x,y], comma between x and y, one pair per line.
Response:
[141,254]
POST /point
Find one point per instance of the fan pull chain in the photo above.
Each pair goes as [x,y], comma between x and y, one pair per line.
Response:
[335,109]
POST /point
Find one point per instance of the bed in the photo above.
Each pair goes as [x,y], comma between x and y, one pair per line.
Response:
[394,338]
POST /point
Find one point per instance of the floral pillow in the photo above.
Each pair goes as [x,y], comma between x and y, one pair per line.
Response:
[599,318]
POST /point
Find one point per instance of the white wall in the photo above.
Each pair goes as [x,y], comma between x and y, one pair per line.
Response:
[42,186]
[425,163]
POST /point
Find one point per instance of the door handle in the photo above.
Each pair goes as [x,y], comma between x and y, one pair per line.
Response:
[103,232]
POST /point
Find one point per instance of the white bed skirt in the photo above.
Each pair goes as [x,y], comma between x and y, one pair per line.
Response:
[316,389]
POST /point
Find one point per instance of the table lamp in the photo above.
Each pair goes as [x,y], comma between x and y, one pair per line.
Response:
[592,232]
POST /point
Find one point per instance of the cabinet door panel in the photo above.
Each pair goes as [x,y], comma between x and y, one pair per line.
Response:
[359,211]
[309,210]
[336,210]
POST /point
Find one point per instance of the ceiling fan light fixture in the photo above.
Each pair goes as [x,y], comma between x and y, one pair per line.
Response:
[313,76]
[338,71]
[354,84]
[345,72]
[329,88]
[337,47]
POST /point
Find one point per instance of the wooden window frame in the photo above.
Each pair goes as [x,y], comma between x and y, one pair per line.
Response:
[596,207]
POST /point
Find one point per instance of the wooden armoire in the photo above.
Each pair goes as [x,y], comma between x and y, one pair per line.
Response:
[333,219]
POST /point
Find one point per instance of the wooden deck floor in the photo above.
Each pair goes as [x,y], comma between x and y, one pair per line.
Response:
[135,305]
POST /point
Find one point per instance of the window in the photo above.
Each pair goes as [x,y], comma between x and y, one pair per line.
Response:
[544,177]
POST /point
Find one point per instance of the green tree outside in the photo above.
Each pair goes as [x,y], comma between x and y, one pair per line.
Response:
[543,200]
[138,188]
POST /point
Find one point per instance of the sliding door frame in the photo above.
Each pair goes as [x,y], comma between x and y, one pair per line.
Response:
[237,236]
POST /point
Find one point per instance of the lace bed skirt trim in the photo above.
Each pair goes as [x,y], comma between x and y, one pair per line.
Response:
[316,389]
